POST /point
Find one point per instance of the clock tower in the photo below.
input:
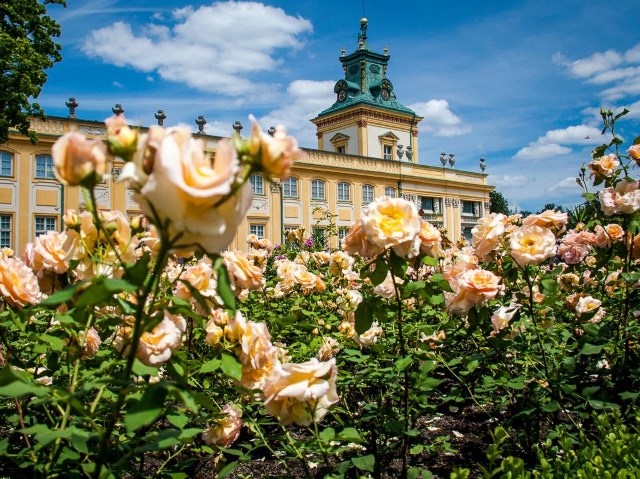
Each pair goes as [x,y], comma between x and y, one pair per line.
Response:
[366,118]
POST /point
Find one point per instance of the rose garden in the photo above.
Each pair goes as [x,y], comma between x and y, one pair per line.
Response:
[147,349]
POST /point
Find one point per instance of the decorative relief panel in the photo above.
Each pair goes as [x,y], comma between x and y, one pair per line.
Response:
[49,126]
[359,163]
[412,198]
[452,202]
[132,204]
[259,205]
[92,130]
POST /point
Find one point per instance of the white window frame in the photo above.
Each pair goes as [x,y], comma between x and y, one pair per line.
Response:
[257,229]
[6,156]
[257,184]
[344,191]
[390,191]
[47,168]
[366,197]
[316,186]
[47,223]
[290,188]
[6,231]
[387,152]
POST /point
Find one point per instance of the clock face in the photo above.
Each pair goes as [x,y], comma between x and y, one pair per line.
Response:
[342,95]
[385,94]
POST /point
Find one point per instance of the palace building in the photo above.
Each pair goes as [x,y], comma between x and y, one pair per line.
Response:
[367,147]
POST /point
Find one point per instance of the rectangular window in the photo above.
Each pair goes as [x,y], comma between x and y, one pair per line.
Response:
[290,188]
[426,204]
[344,191]
[5,231]
[317,190]
[388,155]
[44,167]
[257,184]
[45,224]
[6,163]
[467,208]
[257,230]
[341,150]
[367,194]
[342,234]
[390,191]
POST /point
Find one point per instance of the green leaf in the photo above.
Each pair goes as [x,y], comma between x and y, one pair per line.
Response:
[516,384]
[178,420]
[363,316]
[380,273]
[552,406]
[589,349]
[137,272]
[142,369]
[364,463]
[231,366]
[59,297]
[398,265]
[429,261]
[350,434]
[210,366]
[224,285]
[147,409]
[327,434]
[403,363]
[102,289]
[228,469]
[55,343]
[14,383]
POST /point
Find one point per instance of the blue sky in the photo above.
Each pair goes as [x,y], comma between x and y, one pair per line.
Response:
[517,82]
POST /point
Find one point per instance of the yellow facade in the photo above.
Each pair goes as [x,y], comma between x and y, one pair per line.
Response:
[324,181]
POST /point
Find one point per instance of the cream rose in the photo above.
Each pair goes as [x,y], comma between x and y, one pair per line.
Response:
[634,152]
[587,305]
[390,222]
[156,346]
[502,316]
[277,152]
[603,167]
[430,239]
[356,242]
[329,349]
[369,337]
[76,158]
[182,185]
[244,274]
[18,283]
[487,234]
[532,245]
[556,221]
[301,393]
[201,277]
[623,199]
[226,430]
[90,344]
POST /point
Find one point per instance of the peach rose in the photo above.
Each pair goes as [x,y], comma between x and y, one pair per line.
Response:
[634,152]
[277,153]
[156,346]
[430,239]
[122,139]
[76,158]
[623,199]
[301,393]
[587,305]
[391,222]
[90,344]
[556,221]
[329,349]
[604,167]
[532,245]
[116,223]
[386,289]
[187,189]
[502,316]
[369,337]
[244,274]
[356,242]
[18,284]
[226,430]
[487,234]
[201,277]
[304,278]
[341,263]
[608,234]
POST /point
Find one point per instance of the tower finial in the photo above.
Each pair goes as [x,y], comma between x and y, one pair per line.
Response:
[362,35]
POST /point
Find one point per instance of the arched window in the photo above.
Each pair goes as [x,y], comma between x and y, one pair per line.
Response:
[367,194]
[390,191]
[290,188]
[317,190]
[344,191]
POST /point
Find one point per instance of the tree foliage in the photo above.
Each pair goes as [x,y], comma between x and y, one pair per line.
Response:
[27,49]
[498,203]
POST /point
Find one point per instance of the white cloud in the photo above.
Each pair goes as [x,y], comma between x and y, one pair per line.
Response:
[213,48]
[439,119]
[117,84]
[506,181]
[596,63]
[305,99]
[553,143]
[566,186]
[626,88]
[149,78]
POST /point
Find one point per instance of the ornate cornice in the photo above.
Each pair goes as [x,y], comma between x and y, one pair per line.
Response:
[365,114]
